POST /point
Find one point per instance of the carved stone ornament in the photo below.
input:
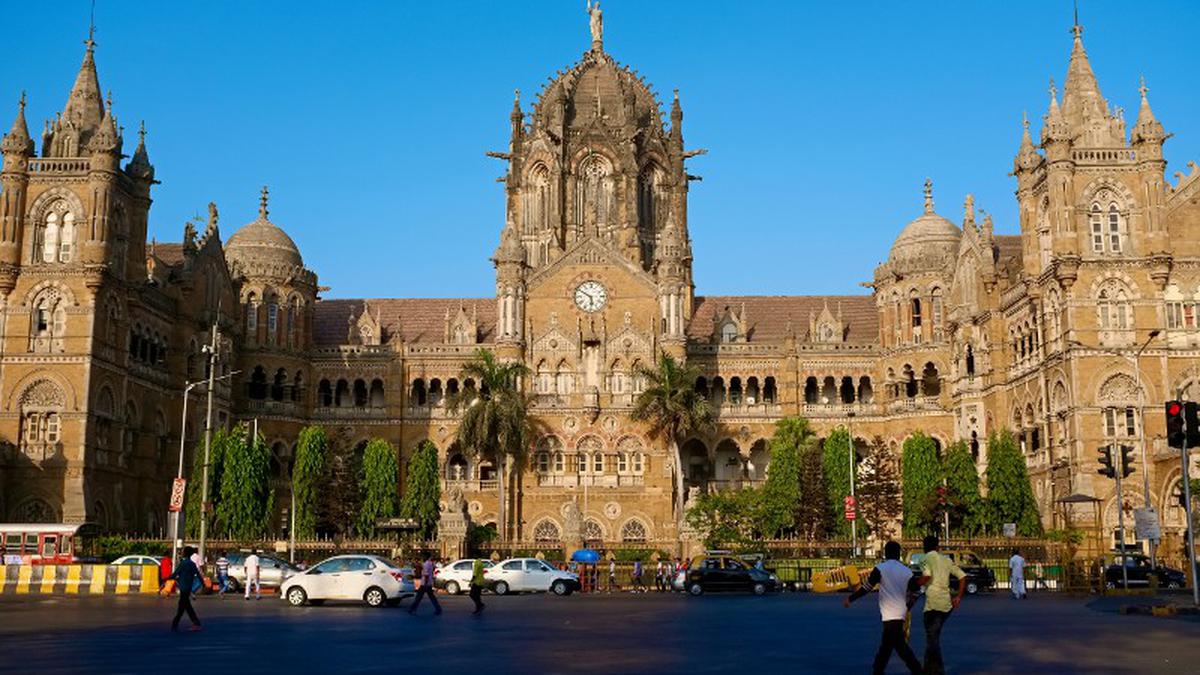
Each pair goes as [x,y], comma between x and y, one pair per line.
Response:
[612,510]
[43,394]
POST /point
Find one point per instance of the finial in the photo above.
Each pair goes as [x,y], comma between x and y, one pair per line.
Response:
[108,99]
[928,195]
[1142,88]
[262,203]
[91,41]
[677,94]
[517,96]
[969,208]
[1025,120]
[21,103]
[1053,91]
[142,132]
[1076,28]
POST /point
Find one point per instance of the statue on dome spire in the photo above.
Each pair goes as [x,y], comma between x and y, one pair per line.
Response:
[928,195]
[596,23]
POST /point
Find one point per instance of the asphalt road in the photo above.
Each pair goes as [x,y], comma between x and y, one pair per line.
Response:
[604,633]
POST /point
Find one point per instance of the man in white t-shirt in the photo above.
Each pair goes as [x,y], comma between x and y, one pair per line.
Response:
[1016,566]
[252,575]
[896,587]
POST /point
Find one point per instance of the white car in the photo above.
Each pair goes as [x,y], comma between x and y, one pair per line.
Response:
[455,577]
[367,578]
[136,560]
[517,575]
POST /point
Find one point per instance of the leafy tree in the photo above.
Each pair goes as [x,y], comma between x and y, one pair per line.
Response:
[728,518]
[422,490]
[307,472]
[1010,495]
[246,495]
[195,481]
[340,494]
[812,516]
[781,492]
[968,513]
[494,420]
[878,489]
[380,485]
[921,474]
[672,408]
[836,470]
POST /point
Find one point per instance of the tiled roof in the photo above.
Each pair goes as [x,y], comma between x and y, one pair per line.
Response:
[417,319]
[768,315]
[1010,247]
[168,254]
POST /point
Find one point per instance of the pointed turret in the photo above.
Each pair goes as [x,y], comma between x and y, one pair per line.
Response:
[1027,156]
[1055,126]
[1147,129]
[139,166]
[83,113]
[106,139]
[17,141]
[1082,99]
[676,122]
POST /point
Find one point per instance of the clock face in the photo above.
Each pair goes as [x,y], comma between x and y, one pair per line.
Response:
[590,296]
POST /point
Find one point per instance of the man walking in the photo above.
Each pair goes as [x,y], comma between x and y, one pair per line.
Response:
[222,574]
[251,565]
[1016,567]
[612,575]
[638,586]
[477,583]
[936,570]
[185,575]
[426,588]
[895,581]
[658,576]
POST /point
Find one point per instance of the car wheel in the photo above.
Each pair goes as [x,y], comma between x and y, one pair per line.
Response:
[696,589]
[559,588]
[501,588]
[296,596]
[972,588]
[233,586]
[375,597]
[452,588]
[1174,584]
[759,588]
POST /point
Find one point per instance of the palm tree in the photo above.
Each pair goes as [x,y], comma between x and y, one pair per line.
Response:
[672,408]
[494,415]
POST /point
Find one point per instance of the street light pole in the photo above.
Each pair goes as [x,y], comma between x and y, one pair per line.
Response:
[1141,422]
[187,390]
[212,372]
[853,523]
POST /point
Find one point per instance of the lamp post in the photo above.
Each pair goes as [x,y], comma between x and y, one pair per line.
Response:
[211,349]
[853,523]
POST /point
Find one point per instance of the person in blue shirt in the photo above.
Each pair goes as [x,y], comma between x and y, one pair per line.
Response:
[186,575]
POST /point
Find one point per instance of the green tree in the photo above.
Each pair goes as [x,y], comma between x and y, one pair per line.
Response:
[422,490]
[195,484]
[494,420]
[246,496]
[340,494]
[835,467]
[968,513]
[781,492]
[307,471]
[878,489]
[671,408]
[812,516]
[1010,495]
[380,485]
[729,518]
[921,474]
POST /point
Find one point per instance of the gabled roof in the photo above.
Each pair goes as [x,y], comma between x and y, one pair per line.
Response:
[767,316]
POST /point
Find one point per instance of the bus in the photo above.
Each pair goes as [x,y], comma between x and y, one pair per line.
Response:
[42,543]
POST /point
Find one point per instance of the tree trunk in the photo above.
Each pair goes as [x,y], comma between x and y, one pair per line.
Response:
[501,515]
[677,460]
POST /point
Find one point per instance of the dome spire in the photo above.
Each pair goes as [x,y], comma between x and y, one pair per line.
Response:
[928,195]
[84,108]
[262,203]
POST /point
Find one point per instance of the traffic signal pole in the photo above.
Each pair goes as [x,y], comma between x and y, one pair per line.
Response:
[1187,510]
[1119,465]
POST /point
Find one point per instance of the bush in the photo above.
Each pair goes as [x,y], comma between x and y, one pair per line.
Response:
[111,547]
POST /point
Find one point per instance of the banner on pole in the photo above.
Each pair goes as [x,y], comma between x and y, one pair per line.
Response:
[850,504]
[1145,523]
[177,489]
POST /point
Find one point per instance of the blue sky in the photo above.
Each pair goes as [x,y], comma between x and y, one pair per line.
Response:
[369,120]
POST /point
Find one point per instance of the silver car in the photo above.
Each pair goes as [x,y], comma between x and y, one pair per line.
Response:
[272,571]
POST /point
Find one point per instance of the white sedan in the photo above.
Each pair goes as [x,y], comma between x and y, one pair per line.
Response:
[365,578]
[516,575]
[455,577]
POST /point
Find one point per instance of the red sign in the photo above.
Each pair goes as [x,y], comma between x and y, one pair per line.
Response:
[849,502]
[177,489]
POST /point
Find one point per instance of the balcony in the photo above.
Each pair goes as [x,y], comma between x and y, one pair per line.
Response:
[272,407]
[571,480]
[348,413]
[839,409]
[59,166]
[747,409]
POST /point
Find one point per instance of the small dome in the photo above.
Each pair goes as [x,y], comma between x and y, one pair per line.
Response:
[926,242]
[262,243]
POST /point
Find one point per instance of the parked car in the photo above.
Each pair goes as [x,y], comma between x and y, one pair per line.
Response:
[455,577]
[979,576]
[367,578]
[137,560]
[272,571]
[519,575]
[1138,569]
[725,573]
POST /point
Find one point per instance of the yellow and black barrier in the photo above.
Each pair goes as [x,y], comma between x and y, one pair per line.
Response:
[78,579]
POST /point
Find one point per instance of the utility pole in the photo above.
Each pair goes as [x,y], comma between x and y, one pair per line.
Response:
[1119,466]
[853,523]
[1141,422]
[212,373]
[177,535]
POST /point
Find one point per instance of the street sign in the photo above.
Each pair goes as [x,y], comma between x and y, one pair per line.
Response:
[1145,523]
[177,490]
[1010,530]
[849,502]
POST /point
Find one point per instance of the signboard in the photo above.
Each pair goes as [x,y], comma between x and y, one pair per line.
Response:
[396,524]
[177,489]
[850,512]
[1145,523]
[1010,530]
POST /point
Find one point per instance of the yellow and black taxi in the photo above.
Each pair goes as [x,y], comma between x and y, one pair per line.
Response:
[720,572]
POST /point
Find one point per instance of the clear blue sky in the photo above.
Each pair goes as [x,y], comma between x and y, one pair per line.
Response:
[369,120]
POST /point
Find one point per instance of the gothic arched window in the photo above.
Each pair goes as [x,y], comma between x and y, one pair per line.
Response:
[251,316]
[47,322]
[593,195]
[546,531]
[633,531]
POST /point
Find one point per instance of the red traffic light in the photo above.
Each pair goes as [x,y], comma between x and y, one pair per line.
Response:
[1174,408]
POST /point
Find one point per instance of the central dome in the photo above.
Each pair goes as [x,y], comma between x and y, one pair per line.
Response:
[925,243]
[262,243]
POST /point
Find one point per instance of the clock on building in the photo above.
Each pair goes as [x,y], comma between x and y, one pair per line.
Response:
[590,296]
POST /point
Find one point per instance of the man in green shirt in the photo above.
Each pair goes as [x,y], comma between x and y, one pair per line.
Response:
[936,570]
[477,583]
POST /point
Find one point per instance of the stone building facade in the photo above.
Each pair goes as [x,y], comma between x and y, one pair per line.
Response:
[1046,332]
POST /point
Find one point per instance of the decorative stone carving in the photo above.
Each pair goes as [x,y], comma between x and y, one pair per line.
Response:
[43,394]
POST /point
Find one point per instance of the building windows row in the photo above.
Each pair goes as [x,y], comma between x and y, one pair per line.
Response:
[47,323]
[1107,228]
[917,318]
[909,385]
[54,239]
[282,322]
[344,394]
[147,346]
[591,464]
[750,391]
[832,390]
[435,392]
[279,387]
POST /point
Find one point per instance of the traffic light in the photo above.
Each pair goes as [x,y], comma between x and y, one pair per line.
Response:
[1106,463]
[1176,429]
[1126,461]
[1191,424]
